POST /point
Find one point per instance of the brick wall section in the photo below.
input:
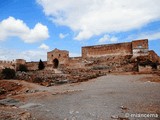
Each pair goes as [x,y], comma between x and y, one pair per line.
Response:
[7,64]
[75,62]
[144,69]
[153,56]
[61,55]
[109,56]
[136,48]
[140,47]
[34,65]
[140,44]
[20,62]
[107,50]
[158,67]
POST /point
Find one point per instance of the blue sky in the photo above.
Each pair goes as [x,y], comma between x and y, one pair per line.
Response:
[30,28]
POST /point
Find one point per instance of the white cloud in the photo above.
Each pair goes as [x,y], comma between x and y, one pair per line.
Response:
[150,36]
[88,18]
[15,27]
[29,55]
[33,55]
[44,46]
[108,38]
[62,36]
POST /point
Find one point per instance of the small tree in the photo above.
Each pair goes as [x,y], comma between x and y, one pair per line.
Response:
[41,65]
[22,68]
[8,73]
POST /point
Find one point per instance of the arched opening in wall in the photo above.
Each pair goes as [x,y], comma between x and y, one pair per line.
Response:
[55,63]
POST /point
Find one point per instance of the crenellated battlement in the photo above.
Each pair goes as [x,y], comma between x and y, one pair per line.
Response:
[111,56]
[135,48]
[7,62]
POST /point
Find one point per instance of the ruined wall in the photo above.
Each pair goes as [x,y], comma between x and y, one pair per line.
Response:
[107,50]
[145,69]
[111,63]
[34,65]
[112,57]
[7,64]
[158,67]
[19,62]
[153,56]
[15,64]
[140,47]
[59,56]
[75,62]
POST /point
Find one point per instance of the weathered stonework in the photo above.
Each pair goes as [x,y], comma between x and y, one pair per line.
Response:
[19,62]
[135,48]
[144,69]
[140,47]
[75,62]
[57,58]
[107,50]
[7,64]
[117,57]
[153,56]
[158,67]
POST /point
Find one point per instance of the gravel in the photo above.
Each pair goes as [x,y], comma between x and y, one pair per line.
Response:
[108,97]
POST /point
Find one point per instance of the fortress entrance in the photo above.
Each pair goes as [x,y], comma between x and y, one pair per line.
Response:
[55,63]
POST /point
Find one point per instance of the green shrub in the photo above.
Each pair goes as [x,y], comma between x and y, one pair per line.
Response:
[150,63]
[37,80]
[22,68]
[8,73]
[41,65]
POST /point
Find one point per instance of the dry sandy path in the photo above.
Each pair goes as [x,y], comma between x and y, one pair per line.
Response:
[97,99]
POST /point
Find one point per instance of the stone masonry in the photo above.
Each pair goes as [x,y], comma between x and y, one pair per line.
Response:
[114,57]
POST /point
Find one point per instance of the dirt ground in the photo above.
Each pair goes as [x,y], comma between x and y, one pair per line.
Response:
[109,97]
[8,88]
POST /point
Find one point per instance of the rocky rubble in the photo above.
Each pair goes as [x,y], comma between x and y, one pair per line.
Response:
[8,88]
[46,78]
[49,78]
[13,113]
[80,75]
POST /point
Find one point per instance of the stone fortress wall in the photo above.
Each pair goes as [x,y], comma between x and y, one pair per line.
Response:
[7,64]
[57,56]
[140,47]
[110,56]
[107,50]
[153,56]
[75,62]
[34,65]
[135,48]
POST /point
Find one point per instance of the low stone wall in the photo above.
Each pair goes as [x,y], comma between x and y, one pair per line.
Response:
[43,77]
[107,50]
[32,66]
[153,56]
[75,62]
[82,74]
[158,67]
[50,78]
[112,63]
[145,69]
